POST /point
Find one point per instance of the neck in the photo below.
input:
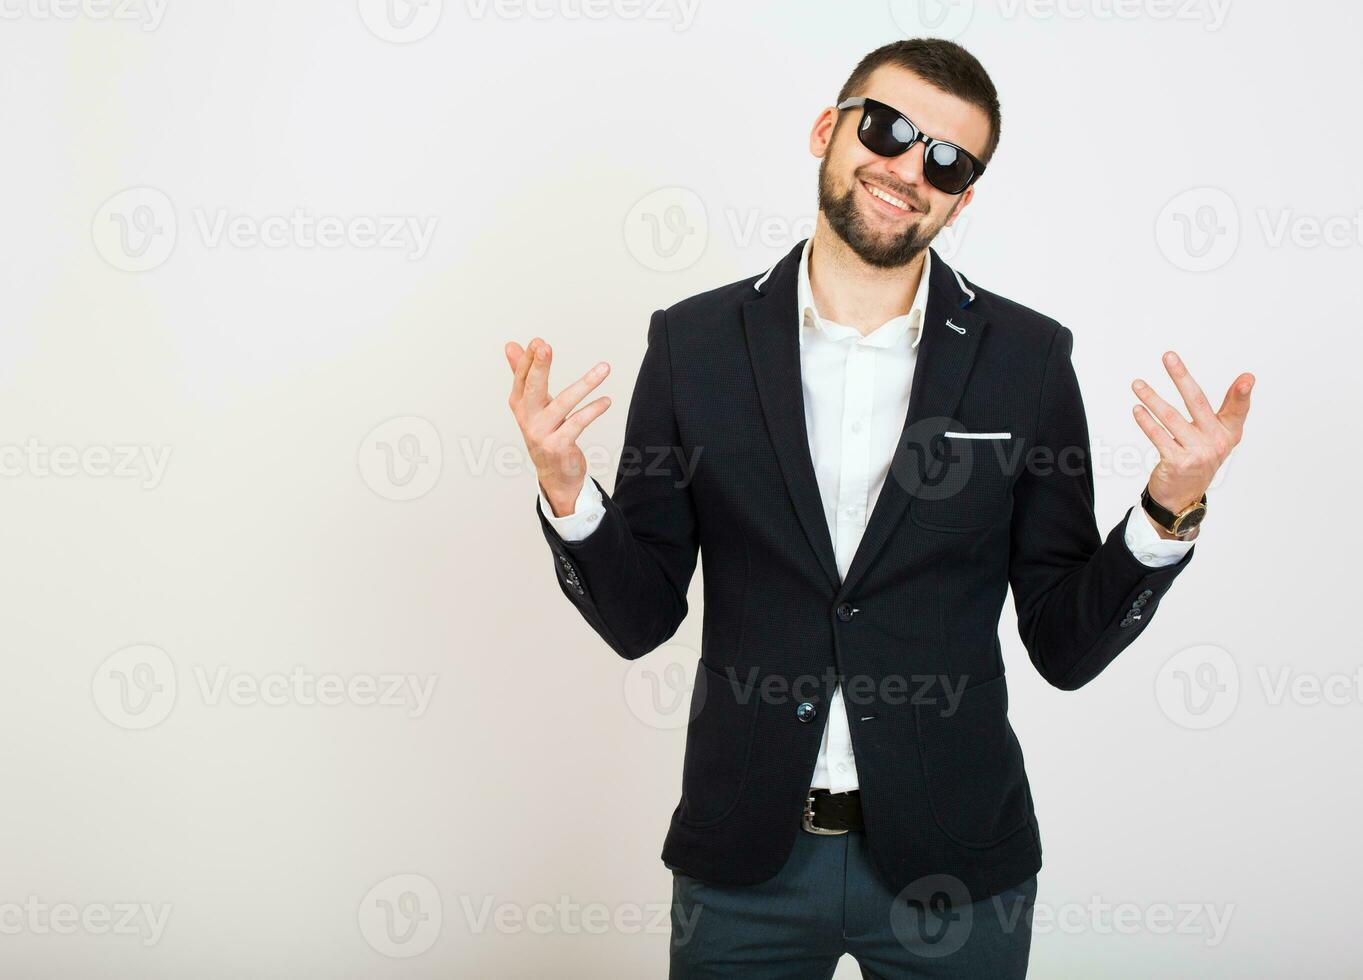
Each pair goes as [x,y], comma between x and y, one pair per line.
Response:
[853,293]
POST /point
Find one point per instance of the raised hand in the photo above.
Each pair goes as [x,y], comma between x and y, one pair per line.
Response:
[550,433]
[1191,452]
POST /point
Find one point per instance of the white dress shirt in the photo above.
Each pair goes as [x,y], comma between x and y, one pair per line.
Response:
[856,397]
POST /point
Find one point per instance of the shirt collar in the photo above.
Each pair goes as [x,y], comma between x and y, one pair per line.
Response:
[887,334]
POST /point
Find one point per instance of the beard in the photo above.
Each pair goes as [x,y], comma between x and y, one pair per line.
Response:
[871,246]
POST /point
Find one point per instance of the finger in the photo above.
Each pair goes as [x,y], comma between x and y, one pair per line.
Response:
[513,352]
[522,371]
[1172,418]
[558,409]
[537,380]
[1235,409]
[1193,396]
[583,417]
[1164,442]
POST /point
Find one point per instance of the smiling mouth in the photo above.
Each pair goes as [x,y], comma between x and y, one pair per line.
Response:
[893,204]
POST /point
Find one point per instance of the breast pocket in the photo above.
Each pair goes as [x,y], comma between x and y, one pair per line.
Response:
[967,482]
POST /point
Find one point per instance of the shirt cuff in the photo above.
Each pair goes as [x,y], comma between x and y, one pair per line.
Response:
[586,515]
[1149,548]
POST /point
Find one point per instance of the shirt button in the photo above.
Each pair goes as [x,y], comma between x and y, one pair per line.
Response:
[856,426]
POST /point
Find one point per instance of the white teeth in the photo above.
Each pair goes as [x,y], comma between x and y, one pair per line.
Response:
[877,192]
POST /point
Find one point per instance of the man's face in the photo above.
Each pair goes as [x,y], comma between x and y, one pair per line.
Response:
[882,233]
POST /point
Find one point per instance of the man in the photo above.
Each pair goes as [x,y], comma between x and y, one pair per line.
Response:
[870,450]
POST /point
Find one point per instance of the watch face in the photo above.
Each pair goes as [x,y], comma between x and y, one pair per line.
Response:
[1191,521]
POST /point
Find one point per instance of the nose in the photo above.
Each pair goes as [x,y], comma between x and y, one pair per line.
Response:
[908,166]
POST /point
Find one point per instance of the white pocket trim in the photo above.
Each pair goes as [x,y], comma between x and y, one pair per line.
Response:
[979,435]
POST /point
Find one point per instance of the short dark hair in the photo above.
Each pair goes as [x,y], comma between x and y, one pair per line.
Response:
[942,64]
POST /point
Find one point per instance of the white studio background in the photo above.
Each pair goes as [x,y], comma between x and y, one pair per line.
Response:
[289,686]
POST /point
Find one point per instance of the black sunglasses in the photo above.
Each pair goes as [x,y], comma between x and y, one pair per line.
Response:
[888,132]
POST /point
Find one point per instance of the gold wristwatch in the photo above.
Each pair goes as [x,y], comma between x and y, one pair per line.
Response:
[1180,525]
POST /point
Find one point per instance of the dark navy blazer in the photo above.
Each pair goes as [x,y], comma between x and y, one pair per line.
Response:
[915,622]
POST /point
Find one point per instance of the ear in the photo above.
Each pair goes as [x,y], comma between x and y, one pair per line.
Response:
[822,134]
[965,199]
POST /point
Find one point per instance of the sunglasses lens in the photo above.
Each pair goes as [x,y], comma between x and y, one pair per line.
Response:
[947,168]
[885,132]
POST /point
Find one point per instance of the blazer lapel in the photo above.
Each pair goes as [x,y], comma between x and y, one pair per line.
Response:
[771,323]
[945,356]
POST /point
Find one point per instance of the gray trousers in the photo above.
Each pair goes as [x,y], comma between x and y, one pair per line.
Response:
[829,900]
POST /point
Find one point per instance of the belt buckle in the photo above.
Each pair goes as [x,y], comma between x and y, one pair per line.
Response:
[807,820]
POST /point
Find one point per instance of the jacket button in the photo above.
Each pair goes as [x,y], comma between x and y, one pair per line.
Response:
[1145,594]
[805,712]
[844,612]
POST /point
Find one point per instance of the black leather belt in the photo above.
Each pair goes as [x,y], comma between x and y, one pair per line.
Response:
[832,813]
